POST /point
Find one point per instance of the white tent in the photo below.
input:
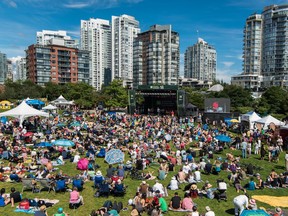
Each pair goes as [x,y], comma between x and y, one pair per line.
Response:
[267,120]
[49,107]
[23,111]
[250,117]
[61,101]
[216,88]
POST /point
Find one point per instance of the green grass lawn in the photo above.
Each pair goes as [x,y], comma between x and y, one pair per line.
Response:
[221,208]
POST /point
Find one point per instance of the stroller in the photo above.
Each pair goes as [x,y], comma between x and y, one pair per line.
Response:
[136,174]
[221,190]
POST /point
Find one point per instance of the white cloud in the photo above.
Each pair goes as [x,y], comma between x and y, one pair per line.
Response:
[76,5]
[10,3]
[227,64]
[225,74]
[14,59]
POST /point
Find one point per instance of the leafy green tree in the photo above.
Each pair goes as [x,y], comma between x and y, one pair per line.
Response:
[115,95]
[195,97]
[275,99]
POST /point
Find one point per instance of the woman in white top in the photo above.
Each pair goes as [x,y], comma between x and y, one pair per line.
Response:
[194,211]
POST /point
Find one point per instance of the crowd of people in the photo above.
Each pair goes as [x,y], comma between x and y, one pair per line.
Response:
[185,147]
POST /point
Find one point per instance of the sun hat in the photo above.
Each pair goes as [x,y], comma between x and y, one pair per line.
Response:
[278,209]
[42,208]
[207,208]
[60,210]
[143,182]
[193,187]
[98,172]
[173,177]
[252,201]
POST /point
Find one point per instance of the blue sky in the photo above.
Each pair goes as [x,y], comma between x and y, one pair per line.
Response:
[219,22]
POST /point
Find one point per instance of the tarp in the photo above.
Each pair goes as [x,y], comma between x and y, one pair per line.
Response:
[254,213]
[268,120]
[35,102]
[64,143]
[23,111]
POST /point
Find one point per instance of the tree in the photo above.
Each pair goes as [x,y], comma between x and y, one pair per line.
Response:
[275,99]
[115,95]
[195,97]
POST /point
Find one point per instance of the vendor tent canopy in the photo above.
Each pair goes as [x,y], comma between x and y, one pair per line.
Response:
[49,107]
[61,101]
[250,117]
[5,104]
[23,111]
[35,102]
[268,120]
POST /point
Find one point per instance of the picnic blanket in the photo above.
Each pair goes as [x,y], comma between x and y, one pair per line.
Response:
[31,210]
[179,210]
[272,200]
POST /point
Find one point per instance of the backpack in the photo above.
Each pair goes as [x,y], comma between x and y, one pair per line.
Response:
[90,166]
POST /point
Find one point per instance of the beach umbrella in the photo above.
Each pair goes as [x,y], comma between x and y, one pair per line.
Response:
[61,124]
[114,156]
[64,143]
[234,121]
[254,213]
[28,134]
[83,164]
[75,124]
[168,137]
[43,144]
[223,138]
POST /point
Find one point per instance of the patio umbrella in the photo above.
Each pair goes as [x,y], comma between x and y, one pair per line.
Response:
[234,121]
[28,134]
[223,138]
[114,156]
[64,143]
[43,144]
[254,213]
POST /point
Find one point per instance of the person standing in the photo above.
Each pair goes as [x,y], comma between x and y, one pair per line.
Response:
[286,160]
[244,148]
[240,203]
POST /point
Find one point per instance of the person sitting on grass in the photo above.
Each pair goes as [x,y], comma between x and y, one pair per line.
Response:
[175,202]
[251,185]
[15,196]
[75,197]
[4,200]
[60,212]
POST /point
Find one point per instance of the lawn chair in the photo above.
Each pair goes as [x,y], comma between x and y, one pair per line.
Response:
[60,186]
[45,183]
[28,184]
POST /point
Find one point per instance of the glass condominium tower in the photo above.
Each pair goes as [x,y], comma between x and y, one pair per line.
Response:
[275,45]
